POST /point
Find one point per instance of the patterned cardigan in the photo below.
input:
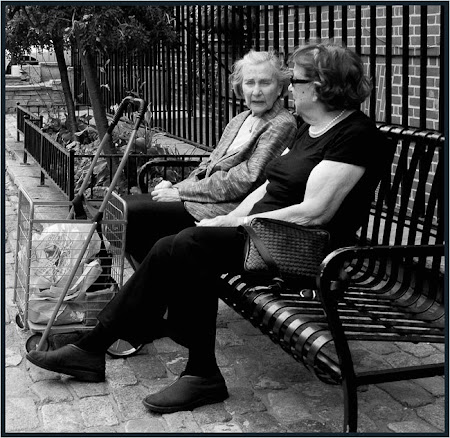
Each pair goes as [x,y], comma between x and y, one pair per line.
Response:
[220,183]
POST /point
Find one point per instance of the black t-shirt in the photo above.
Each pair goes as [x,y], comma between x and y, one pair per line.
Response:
[355,140]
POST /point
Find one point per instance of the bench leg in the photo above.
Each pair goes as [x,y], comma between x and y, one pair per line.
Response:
[350,406]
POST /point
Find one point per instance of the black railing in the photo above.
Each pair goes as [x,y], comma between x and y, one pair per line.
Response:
[55,161]
[187,86]
[23,113]
[65,167]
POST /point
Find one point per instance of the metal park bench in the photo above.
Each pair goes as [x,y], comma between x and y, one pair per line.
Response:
[389,287]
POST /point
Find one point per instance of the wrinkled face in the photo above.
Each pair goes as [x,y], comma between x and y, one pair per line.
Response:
[303,93]
[260,87]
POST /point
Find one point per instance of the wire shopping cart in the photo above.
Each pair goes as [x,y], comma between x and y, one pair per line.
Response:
[68,267]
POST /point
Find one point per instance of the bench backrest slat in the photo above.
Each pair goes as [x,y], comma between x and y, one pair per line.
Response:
[409,203]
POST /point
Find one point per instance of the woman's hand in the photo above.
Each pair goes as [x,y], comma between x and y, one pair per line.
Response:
[163,185]
[221,221]
[166,195]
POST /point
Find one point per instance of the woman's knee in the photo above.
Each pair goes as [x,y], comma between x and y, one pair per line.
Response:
[138,206]
[204,246]
[191,237]
[162,247]
[177,247]
[211,248]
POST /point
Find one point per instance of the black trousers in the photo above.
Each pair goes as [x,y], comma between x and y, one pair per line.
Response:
[149,221]
[180,273]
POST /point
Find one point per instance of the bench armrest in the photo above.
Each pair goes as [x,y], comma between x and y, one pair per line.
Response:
[332,283]
[331,280]
[149,167]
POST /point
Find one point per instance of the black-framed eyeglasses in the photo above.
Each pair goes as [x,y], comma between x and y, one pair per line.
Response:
[300,81]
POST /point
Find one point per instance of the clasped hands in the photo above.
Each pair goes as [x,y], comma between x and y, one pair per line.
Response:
[165,192]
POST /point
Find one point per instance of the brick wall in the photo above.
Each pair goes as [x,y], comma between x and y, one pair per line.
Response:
[414,55]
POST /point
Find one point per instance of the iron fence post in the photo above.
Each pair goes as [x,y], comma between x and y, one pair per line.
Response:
[25,154]
[41,147]
[17,121]
[71,176]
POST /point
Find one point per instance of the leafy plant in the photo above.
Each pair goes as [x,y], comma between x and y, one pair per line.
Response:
[149,141]
[93,29]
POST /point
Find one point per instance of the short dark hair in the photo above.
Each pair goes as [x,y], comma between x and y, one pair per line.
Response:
[254,57]
[338,73]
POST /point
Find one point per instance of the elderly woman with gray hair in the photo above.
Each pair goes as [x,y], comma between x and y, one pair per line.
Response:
[234,168]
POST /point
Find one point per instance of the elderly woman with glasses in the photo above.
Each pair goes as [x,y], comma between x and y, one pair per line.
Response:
[328,178]
[235,167]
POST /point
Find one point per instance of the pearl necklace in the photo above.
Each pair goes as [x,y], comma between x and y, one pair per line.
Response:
[325,128]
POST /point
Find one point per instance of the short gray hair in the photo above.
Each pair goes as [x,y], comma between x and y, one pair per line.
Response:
[253,57]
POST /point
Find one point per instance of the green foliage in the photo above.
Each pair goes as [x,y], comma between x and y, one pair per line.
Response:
[19,35]
[108,29]
[149,141]
[93,29]
[34,26]
[101,28]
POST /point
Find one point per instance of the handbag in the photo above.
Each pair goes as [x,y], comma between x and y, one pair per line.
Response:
[284,249]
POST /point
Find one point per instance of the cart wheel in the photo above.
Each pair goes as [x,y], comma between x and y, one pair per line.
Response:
[122,348]
[19,321]
[33,342]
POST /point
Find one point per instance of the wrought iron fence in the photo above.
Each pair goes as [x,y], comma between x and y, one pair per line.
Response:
[23,113]
[55,161]
[402,46]
[65,167]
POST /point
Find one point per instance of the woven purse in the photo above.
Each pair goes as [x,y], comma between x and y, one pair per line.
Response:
[284,249]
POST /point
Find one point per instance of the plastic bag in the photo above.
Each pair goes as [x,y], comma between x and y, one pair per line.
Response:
[77,311]
[91,273]
[81,306]
[40,312]
[55,251]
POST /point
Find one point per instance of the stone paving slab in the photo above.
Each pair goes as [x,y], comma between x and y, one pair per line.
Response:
[269,391]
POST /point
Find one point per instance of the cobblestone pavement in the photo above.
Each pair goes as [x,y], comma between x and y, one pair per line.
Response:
[269,392]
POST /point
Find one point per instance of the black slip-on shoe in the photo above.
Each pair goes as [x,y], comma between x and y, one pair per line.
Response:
[187,393]
[71,360]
